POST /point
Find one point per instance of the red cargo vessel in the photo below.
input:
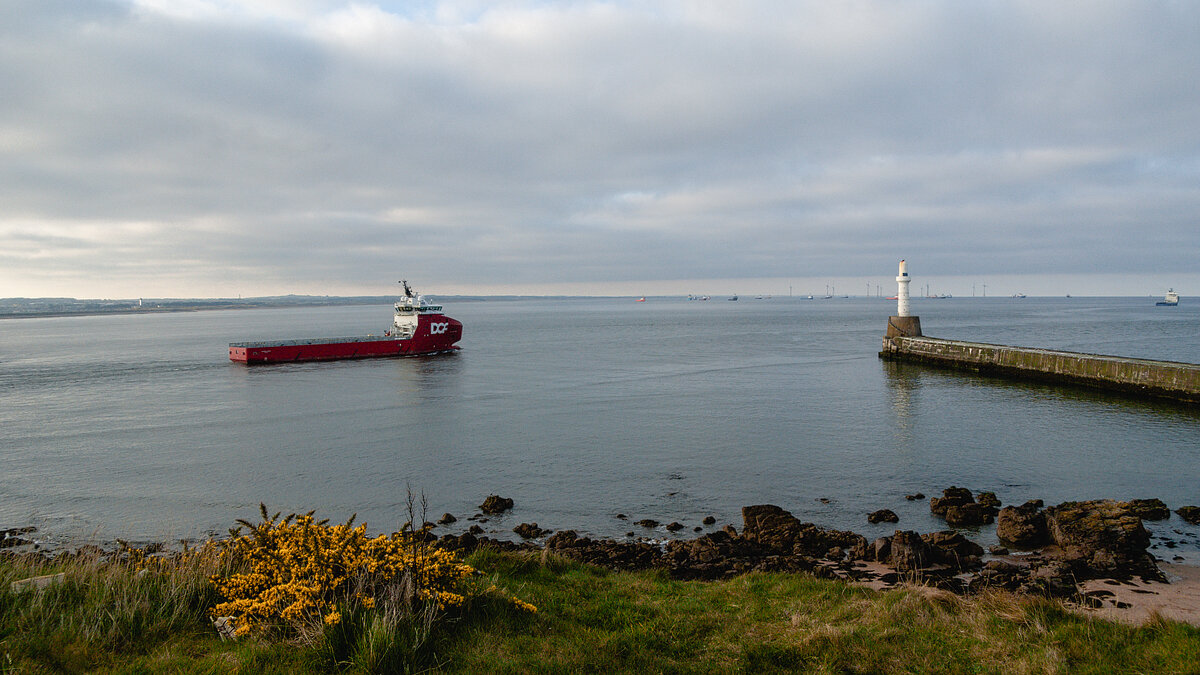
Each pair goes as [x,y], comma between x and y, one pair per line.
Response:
[417,328]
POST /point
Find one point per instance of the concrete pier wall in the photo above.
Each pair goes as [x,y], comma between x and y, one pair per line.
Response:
[1138,377]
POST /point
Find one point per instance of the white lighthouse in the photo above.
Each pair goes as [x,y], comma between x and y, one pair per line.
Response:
[904,324]
[902,281]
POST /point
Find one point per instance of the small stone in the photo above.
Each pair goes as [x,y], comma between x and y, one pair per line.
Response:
[225,627]
[647,522]
[697,529]
[709,520]
[622,516]
[674,527]
[475,529]
[446,519]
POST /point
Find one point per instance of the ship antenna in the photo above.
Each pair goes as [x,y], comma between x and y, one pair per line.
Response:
[407,291]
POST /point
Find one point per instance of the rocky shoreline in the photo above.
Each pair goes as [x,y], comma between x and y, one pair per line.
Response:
[1053,551]
[1049,551]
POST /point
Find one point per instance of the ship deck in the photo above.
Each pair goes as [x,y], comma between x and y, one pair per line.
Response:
[315,341]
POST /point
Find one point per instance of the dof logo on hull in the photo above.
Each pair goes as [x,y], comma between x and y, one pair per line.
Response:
[438,328]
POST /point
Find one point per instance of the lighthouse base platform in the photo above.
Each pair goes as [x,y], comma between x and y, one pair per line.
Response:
[904,326]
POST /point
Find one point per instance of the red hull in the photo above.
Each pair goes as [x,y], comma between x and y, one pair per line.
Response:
[436,333]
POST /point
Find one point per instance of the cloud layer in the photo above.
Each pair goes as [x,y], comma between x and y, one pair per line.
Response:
[214,147]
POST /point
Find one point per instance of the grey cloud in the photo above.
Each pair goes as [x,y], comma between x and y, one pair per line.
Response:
[585,142]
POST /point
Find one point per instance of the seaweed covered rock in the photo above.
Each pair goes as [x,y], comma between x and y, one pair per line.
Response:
[968,515]
[883,516]
[1023,526]
[952,549]
[1189,513]
[989,500]
[1101,538]
[496,504]
[951,496]
[1149,509]
[530,531]
[781,533]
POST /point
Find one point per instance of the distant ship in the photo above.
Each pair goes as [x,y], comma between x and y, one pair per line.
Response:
[641,299]
[1170,300]
[417,329]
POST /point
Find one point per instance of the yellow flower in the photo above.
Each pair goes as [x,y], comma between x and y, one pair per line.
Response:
[333,618]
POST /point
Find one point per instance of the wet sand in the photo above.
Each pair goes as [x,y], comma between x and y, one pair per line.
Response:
[1136,601]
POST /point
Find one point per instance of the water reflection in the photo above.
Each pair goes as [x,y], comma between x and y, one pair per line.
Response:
[903,383]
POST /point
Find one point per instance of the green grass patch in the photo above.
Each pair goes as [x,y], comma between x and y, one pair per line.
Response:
[116,618]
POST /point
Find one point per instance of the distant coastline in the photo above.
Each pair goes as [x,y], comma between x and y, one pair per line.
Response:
[30,308]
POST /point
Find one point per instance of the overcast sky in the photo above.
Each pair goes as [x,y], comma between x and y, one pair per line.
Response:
[202,148]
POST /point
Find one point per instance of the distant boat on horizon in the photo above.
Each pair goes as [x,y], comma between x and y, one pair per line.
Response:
[641,299]
[1171,299]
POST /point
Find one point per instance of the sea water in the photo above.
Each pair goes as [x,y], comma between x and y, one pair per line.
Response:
[579,409]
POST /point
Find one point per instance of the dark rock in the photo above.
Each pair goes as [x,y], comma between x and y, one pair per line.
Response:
[446,519]
[952,549]
[530,531]
[496,504]
[907,552]
[968,515]
[781,533]
[951,496]
[988,500]
[475,529]
[1101,538]
[997,550]
[881,549]
[1189,513]
[1023,526]
[674,527]
[709,520]
[428,525]
[1149,509]
[13,541]
[697,529]
[647,522]
[915,497]
[883,516]
[622,516]
[465,542]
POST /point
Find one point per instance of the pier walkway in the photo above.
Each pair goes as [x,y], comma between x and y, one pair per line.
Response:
[1137,377]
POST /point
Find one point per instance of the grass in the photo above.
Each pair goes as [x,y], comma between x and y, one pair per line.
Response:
[112,617]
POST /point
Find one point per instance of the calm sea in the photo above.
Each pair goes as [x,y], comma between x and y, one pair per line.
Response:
[139,427]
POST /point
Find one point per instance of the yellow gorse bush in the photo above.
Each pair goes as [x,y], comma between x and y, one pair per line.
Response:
[294,572]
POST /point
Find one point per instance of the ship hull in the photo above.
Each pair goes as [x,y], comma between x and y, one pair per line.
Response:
[435,334]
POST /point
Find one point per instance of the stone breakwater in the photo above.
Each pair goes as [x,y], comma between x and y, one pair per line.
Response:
[1136,377]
